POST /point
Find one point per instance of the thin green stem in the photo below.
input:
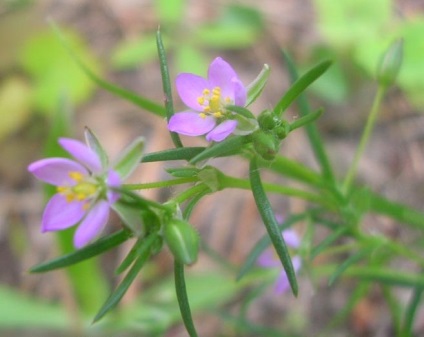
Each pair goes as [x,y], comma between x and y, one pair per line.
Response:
[160,184]
[183,303]
[369,126]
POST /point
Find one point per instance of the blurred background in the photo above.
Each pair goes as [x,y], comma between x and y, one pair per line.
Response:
[40,84]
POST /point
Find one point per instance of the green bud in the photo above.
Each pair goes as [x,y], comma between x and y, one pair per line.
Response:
[390,64]
[265,145]
[182,240]
[268,120]
[282,130]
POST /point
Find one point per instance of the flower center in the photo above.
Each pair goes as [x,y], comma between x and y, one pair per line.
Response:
[213,103]
[82,190]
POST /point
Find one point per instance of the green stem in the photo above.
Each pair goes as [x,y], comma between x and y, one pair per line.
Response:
[183,303]
[160,184]
[369,126]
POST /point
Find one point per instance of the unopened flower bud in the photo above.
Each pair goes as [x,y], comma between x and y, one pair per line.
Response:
[268,120]
[182,240]
[266,145]
[390,64]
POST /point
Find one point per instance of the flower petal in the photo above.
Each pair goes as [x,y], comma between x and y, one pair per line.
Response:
[60,214]
[268,259]
[240,92]
[190,87]
[92,224]
[291,238]
[222,131]
[55,171]
[191,124]
[221,74]
[113,181]
[82,153]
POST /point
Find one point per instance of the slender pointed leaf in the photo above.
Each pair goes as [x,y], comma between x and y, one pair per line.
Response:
[184,153]
[314,138]
[336,234]
[114,298]
[300,85]
[309,118]
[130,96]
[87,252]
[183,303]
[262,244]
[346,264]
[227,147]
[411,310]
[166,84]
[271,224]
[131,256]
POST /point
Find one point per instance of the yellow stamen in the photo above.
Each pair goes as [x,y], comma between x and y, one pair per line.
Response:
[218,114]
[202,115]
[77,176]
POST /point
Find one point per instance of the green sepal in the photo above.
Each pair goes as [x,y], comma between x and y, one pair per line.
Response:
[183,153]
[390,64]
[183,172]
[227,147]
[94,144]
[143,253]
[245,126]
[239,110]
[300,85]
[271,225]
[132,217]
[87,252]
[131,157]
[254,89]
[183,241]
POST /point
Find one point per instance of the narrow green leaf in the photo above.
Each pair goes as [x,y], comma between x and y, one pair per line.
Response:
[183,303]
[300,85]
[184,153]
[114,298]
[397,211]
[411,310]
[336,234]
[131,256]
[386,276]
[262,244]
[255,88]
[313,135]
[309,118]
[130,158]
[271,224]
[183,172]
[130,96]
[227,147]
[346,264]
[96,248]
[166,84]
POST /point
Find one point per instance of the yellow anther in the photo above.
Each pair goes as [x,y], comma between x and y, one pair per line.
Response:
[202,115]
[218,114]
[227,99]
[216,91]
[201,100]
[207,109]
[206,92]
[77,176]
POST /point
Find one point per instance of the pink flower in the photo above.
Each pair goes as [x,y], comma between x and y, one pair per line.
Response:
[207,99]
[269,259]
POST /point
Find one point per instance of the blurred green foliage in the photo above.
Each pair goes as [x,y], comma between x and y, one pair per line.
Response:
[236,27]
[359,30]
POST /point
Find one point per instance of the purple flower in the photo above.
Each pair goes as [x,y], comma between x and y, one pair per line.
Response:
[207,99]
[84,191]
[269,259]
